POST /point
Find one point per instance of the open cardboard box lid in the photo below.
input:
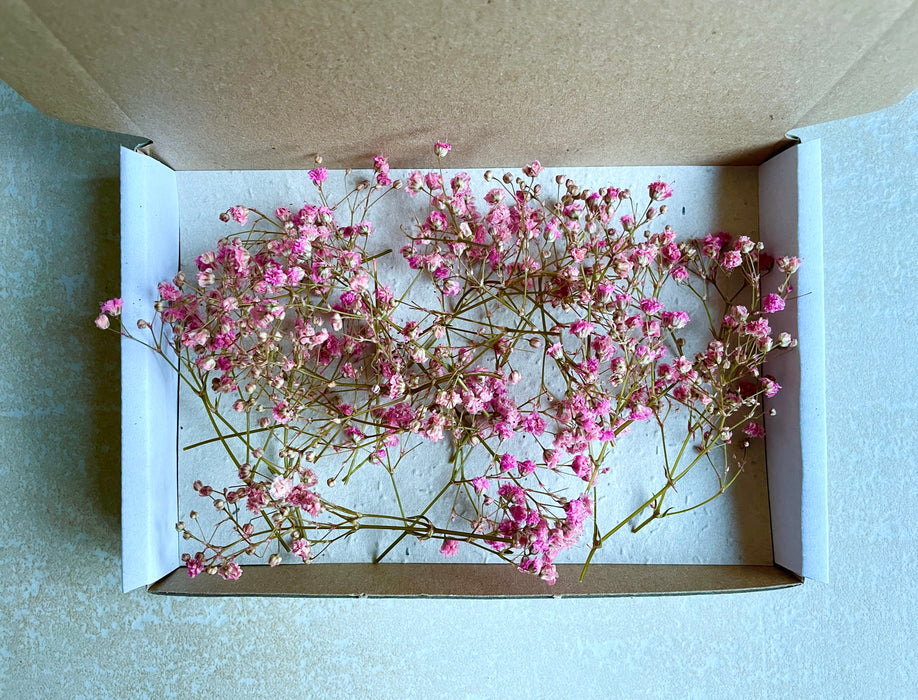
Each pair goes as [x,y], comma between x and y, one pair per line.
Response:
[576,84]
[241,85]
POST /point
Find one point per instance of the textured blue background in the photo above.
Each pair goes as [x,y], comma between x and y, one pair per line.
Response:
[66,631]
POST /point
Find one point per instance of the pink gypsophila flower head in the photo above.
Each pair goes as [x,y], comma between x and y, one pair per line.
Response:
[169,293]
[481,484]
[240,214]
[318,175]
[533,169]
[534,424]
[549,574]
[280,488]
[788,264]
[230,571]
[195,564]
[449,548]
[112,307]
[526,467]
[732,259]
[582,328]
[771,387]
[300,548]
[102,321]
[659,191]
[415,182]
[772,304]
[441,148]
[283,413]
[583,467]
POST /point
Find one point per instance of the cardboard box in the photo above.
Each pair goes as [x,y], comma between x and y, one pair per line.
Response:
[158,202]
[574,84]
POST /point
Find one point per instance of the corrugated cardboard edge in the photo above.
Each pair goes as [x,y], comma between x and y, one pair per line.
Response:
[478,581]
[149,387]
[790,221]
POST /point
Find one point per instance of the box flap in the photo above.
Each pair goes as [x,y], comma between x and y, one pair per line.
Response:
[584,82]
[790,221]
[149,386]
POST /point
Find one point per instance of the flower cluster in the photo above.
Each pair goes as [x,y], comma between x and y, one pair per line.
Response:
[553,332]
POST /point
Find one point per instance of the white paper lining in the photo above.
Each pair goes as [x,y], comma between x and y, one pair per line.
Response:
[732,529]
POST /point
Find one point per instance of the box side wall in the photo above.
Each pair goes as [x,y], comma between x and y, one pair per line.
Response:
[790,210]
[149,386]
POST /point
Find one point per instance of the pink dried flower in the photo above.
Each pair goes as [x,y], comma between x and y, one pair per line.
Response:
[381,164]
[732,259]
[301,548]
[449,548]
[526,467]
[480,484]
[772,304]
[239,214]
[102,321]
[318,175]
[415,182]
[533,169]
[534,424]
[675,319]
[169,293]
[549,574]
[771,387]
[583,467]
[441,148]
[758,328]
[582,328]
[659,191]
[230,571]
[283,412]
[112,307]
[195,564]
[280,488]
[788,264]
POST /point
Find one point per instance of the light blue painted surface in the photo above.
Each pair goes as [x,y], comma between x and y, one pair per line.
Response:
[67,631]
